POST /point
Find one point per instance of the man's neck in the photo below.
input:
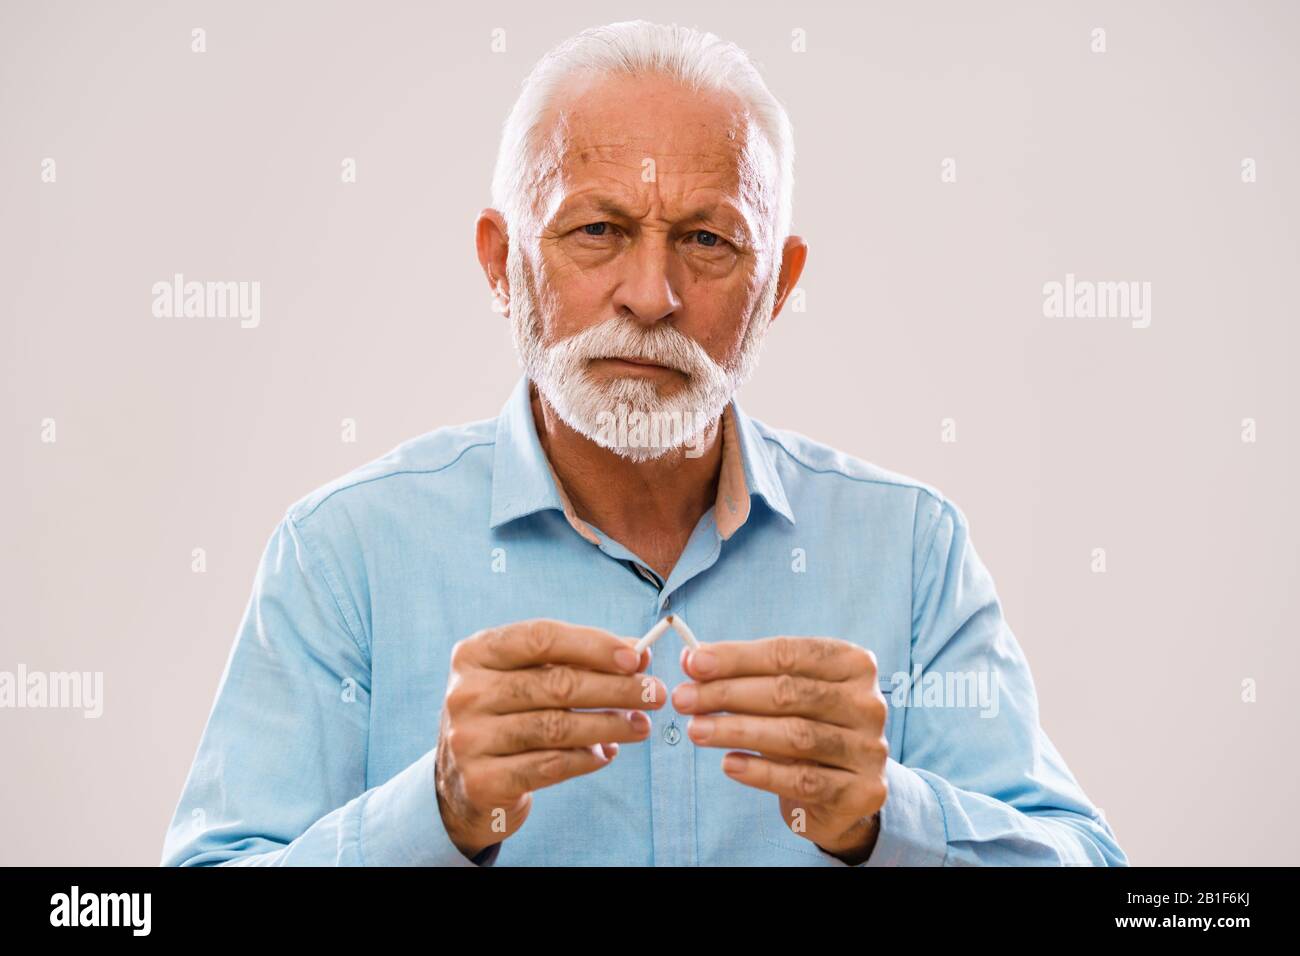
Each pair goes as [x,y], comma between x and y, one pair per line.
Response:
[649,507]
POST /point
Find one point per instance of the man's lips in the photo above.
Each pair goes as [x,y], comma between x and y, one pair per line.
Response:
[640,362]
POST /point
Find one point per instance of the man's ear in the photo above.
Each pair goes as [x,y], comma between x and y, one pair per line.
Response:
[793,256]
[492,240]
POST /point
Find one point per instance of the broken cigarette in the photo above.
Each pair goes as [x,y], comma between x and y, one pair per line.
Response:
[687,634]
[653,634]
[656,632]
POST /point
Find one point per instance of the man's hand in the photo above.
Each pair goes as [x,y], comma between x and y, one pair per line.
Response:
[508,728]
[811,708]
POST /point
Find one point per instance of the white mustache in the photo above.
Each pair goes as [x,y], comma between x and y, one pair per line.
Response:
[622,338]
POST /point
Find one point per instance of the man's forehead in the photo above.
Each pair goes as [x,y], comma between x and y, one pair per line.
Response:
[605,116]
[606,129]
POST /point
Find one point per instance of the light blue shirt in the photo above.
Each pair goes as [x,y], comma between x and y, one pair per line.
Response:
[319,747]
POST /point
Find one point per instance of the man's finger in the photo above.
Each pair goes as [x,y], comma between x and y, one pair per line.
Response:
[846,705]
[545,688]
[794,738]
[517,774]
[823,658]
[546,641]
[564,730]
[804,782]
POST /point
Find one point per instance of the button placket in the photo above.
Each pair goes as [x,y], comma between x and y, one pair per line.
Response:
[672,762]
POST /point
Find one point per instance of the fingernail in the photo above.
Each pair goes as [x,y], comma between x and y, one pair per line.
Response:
[684,697]
[626,658]
[700,728]
[639,721]
[704,662]
[734,763]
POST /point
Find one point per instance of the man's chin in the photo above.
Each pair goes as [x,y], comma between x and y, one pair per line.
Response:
[631,426]
[636,454]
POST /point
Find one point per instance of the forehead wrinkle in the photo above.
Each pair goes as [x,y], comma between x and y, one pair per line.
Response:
[581,145]
[612,200]
[715,157]
[582,173]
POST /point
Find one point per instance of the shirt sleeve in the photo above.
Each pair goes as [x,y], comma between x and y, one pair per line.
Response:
[976,780]
[280,774]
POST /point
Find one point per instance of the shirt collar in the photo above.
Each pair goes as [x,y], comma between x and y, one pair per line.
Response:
[523,481]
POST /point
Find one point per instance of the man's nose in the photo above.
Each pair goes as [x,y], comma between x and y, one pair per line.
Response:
[645,288]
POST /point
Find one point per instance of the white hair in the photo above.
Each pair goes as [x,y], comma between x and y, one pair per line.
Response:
[697,59]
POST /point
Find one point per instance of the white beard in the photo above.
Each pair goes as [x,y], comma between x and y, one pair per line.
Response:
[592,409]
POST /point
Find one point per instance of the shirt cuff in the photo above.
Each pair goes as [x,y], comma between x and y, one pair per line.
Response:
[912,828]
[401,824]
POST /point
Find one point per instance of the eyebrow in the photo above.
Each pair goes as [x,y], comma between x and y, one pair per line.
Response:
[611,207]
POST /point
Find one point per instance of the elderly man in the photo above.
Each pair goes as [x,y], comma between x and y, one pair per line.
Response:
[438,663]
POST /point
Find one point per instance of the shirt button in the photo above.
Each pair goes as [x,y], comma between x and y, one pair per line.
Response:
[672,734]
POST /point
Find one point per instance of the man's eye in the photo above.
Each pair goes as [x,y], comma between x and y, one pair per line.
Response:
[706,238]
[595,228]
